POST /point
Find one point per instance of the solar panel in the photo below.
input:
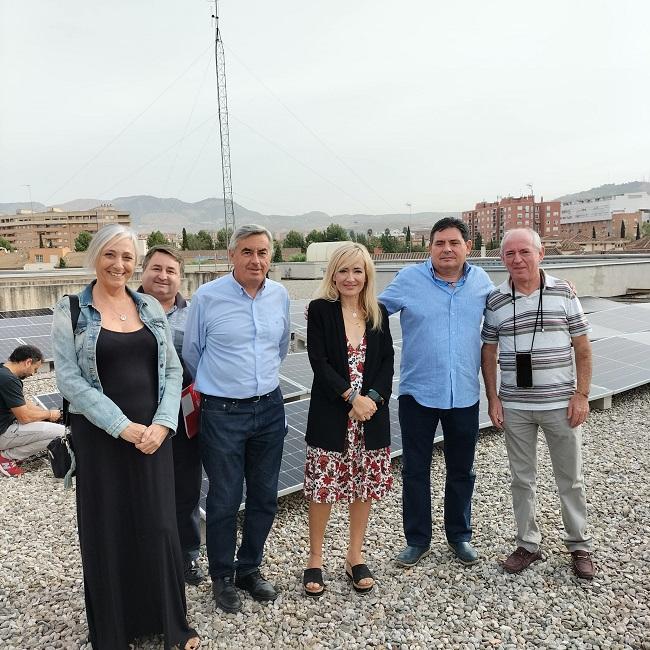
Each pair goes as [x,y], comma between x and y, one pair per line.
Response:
[296,368]
[26,312]
[7,346]
[623,320]
[591,304]
[50,400]
[620,363]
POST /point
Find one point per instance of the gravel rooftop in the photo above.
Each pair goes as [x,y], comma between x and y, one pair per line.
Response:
[438,604]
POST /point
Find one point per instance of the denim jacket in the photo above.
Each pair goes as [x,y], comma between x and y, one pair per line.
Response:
[76,365]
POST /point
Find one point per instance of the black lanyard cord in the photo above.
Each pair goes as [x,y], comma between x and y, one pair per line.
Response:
[539,316]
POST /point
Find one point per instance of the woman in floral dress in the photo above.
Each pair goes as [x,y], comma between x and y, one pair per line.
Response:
[348,428]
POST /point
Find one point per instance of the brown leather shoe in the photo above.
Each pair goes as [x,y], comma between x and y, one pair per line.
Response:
[583,565]
[520,559]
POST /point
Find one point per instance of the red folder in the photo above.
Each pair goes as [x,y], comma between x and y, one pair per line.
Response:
[191,407]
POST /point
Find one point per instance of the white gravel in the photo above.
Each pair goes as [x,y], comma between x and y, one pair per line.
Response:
[438,604]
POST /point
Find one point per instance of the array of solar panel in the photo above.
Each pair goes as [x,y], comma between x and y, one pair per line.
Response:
[46,311]
[620,363]
[26,330]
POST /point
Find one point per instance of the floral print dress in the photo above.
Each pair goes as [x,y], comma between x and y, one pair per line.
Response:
[356,472]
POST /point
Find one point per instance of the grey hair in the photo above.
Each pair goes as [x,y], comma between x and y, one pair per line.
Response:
[247,231]
[534,237]
[105,235]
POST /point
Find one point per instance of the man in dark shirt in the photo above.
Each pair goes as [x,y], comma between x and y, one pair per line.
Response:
[25,429]
[162,268]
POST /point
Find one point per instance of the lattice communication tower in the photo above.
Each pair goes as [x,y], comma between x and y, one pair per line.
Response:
[224,131]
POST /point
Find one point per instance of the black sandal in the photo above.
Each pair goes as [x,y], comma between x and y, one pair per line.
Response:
[359,572]
[314,575]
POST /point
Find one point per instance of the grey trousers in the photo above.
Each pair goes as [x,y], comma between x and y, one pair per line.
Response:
[20,441]
[565,449]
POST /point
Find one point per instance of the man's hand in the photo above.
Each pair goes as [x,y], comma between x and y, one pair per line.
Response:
[495,411]
[363,408]
[153,436]
[133,432]
[55,415]
[578,409]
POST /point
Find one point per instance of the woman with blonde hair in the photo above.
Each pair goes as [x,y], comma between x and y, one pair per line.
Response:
[348,429]
[116,364]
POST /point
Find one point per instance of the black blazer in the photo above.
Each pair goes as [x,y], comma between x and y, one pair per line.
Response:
[327,349]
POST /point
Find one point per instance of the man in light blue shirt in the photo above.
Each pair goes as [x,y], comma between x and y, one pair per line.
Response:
[236,336]
[441,304]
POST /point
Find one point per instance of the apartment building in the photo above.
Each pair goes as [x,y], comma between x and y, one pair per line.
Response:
[603,215]
[492,219]
[56,228]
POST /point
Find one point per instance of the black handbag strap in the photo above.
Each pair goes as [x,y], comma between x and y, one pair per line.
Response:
[75,310]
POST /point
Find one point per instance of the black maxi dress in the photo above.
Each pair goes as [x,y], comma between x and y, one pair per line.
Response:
[130,551]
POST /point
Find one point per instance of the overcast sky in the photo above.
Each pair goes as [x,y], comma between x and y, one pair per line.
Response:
[344,106]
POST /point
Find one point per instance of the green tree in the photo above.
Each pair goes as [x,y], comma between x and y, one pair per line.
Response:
[593,232]
[62,263]
[221,239]
[294,239]
[622,229]
[638,231]
[334,232]
[82,241]
[361,239]
[277,252]
[388,243]
[5,243]
[40,240]
[204,240]
[313,236]
[184,244]
[156,238]
[478,241]
[423,244]
[645,229]
[407,239]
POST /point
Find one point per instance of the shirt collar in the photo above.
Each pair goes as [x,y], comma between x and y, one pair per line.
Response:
[240,289]
[506,285]
[466,269]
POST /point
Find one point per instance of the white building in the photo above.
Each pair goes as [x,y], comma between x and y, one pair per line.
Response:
[602,209]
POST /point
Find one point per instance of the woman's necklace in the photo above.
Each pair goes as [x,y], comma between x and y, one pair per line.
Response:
[120,315]
[355,314]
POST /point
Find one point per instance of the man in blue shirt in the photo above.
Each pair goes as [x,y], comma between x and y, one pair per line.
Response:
[441,303]
[236,336]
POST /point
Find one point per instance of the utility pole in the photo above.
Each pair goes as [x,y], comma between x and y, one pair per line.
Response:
[228,205]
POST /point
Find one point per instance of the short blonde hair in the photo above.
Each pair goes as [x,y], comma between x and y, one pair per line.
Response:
[341,257]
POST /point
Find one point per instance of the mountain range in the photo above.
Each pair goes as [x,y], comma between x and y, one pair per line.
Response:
[172,215]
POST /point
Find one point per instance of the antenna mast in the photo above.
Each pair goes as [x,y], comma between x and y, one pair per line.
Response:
[228,205]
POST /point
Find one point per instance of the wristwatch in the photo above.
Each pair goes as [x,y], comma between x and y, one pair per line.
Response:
[375,397]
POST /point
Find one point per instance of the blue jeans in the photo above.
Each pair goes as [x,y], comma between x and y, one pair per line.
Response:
[460,428]
[240,442]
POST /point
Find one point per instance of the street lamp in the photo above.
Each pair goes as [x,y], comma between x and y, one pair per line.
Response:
[410,207]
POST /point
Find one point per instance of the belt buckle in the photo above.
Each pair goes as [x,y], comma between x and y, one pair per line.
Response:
[257,398]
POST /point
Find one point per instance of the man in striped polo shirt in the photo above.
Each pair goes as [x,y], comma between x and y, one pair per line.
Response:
[536,320]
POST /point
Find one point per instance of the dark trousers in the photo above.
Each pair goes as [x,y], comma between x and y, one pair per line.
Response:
[188,476]
[240,441]
[460,428]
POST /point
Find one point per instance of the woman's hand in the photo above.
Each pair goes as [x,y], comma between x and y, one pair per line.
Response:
[154,435]
[363,408]
[133,432]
